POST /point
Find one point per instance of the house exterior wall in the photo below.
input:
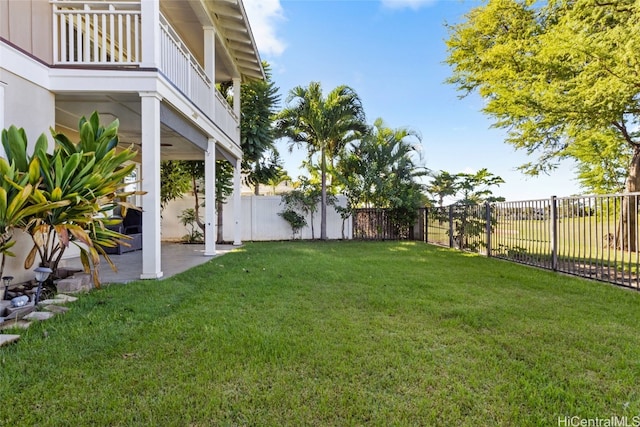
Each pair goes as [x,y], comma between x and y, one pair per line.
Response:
[26,24]
[28,106]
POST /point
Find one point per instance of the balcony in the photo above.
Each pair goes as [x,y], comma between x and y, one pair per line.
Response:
[89,34]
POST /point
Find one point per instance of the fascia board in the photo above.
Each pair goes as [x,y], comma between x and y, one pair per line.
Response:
[24,66]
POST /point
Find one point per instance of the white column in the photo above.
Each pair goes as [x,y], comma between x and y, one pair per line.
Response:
[237,203]
[2,124]
[210,64]
[236,101]
[210,220]
[150,15]
[151,251]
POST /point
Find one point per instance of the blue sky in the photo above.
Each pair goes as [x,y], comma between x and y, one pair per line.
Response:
[392,52]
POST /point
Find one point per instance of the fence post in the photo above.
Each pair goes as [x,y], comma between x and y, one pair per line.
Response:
[487,207]
[554,233]
[426,224]
[451,226]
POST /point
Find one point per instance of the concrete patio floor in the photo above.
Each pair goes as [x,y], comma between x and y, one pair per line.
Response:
[176,258]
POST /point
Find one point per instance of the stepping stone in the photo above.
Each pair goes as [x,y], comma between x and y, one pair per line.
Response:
[52,301]
[8,339]
[18,312]
[20,324]
[66,298]
[56,309]
[39,315]
[71,284]
[4,304]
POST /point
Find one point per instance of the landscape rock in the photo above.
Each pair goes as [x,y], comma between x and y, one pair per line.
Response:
[39,315]
[18,312]
[66,298]
[8,339]
[70,284]
[20,324]
[56,309]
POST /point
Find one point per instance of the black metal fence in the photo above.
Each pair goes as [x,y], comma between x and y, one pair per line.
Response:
[589,236]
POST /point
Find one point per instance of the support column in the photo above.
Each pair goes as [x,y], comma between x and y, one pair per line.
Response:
[2,124]
[237,203]
[151,226]
[210,232]
[236,102]
[150,15]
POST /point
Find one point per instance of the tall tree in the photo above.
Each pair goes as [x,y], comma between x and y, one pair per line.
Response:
[443,185]
[259,102]
[381,170]
[324,126]
[556,76]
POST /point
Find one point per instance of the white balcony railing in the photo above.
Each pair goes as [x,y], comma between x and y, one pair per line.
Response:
[180,66]
[109,33]
[96,32]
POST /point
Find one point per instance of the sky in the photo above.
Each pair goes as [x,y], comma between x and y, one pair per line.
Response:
[392,53]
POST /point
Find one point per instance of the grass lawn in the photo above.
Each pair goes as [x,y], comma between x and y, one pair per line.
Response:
[339,333]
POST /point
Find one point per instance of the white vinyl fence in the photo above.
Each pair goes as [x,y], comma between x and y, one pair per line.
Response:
[259,218]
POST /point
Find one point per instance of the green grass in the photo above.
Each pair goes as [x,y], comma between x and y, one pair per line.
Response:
[340,333]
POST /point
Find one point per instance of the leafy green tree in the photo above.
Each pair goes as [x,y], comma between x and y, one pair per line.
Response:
[443,185]
[278,179]
[180,177]
[324,125]
[558,76]
[259,102]
[476,188]
[381,170]
[174,181]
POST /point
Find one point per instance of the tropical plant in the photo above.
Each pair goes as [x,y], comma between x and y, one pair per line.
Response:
[174,181]
[471,190]
[188,218]
[324,126]
[82,183]
[443,185]
[259,101]
[381,170]
[19,199]
[295,220]
[180,177]
[559,77]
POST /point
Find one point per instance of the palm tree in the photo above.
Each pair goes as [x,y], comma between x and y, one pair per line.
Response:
[324,125]
[444,184]
[388,166]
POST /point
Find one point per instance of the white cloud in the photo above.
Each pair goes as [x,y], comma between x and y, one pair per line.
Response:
[410,4]
[264,16]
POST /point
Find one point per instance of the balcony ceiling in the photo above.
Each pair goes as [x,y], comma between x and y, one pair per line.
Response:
[126,108]
[234,42]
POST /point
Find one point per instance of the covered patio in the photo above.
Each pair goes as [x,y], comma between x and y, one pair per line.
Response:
[176,258]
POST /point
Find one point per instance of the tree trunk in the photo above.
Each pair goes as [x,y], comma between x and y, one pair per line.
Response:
[196,208]
[256,189]
[219,237]
[323,198]
[628,227]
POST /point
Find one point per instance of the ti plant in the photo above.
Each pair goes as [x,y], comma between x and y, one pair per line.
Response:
[82,182]
[20,197]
